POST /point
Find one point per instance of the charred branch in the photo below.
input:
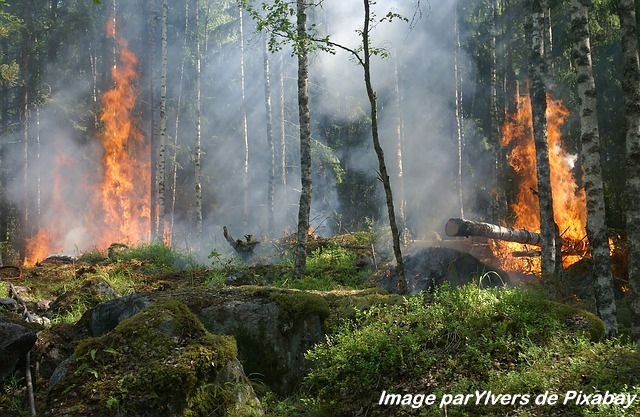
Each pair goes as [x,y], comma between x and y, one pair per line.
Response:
[245,247]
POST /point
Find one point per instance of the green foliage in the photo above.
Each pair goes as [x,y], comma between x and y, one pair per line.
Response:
[158,257]
[459,340]
[328,267]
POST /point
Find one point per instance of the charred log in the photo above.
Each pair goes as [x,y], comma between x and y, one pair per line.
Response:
[467,228]
[244,248]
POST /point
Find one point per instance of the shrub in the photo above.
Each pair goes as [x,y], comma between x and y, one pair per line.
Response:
[466,339]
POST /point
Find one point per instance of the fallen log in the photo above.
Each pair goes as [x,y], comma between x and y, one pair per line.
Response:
[467,228]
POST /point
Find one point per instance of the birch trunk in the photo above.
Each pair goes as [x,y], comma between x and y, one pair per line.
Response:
[494,134]
[400,148]
[163,126]
[631,91]
[174,155]
[537,92]
[151,64]
[590,138]
[245,134]
[283,139]
[272,154]
[24,119]
[198,150]
[458,115]
[304,207]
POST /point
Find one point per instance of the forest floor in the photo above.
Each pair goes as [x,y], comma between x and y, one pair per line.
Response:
[449,342]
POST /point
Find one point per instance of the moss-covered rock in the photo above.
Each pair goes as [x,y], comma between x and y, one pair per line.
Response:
[273,327]
[160,362]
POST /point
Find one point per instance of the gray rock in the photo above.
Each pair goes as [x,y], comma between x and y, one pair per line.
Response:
[15,341]
[272,338]
[106,316]
[8,304]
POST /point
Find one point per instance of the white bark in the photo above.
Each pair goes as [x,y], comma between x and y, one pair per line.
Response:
[590,138]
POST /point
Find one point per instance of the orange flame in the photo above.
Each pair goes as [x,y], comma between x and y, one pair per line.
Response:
[569,202]
[119,211]
[125,187]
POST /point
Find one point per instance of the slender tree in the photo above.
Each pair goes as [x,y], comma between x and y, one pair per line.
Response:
[384,176]
[304,208]
[163,126]
[176,130]
[245,133]
[631,90]
[458,115]
[590,138]
[272,153]
[399,132]
[538,94]
[198,150]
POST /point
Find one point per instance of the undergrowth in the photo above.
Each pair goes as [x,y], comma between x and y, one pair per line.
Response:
[459,341]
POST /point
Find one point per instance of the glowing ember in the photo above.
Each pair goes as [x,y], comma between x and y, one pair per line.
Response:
[119,202]
[569,203]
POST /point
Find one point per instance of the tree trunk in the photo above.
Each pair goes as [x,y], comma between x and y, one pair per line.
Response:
[283,139]
[458,114]
[163,127]
[304,207]
[547,37]
[198,150]
[152,132]
[467,228]
[174,153]
[384,176]
[494,133]
[400,148]
[538,95]
[631,91]
[24,119]
[245,134]
[590,138]
[272,153]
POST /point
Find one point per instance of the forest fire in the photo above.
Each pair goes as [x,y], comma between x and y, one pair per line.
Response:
[122,211]
[118,208]
[569,203]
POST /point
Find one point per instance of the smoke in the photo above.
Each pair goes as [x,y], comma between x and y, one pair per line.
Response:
[69,153]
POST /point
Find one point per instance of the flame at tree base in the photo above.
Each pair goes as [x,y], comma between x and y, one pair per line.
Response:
[569,201]
[117,208]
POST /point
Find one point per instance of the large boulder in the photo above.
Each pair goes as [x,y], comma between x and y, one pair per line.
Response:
[161,362]
[274,328]
[429,267]
[16,340]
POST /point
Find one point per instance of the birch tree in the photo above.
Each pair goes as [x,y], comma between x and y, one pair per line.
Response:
[538,94]
[272,153]
[631,91]
[198,150]
[590,138]
[304,208]
[163,125]
[245,133]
